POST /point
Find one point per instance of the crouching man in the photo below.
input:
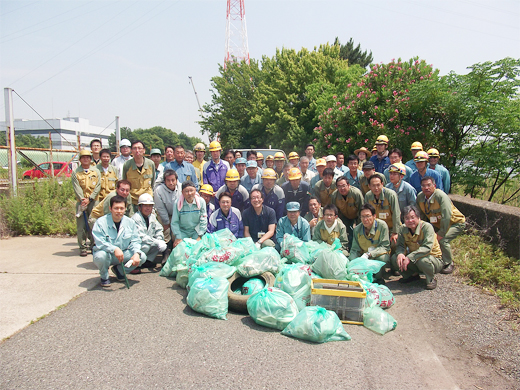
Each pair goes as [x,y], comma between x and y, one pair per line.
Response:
[150,232]
[418,250]
[371,240]
[117,242]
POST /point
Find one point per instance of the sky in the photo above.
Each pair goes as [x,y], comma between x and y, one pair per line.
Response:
[133,58]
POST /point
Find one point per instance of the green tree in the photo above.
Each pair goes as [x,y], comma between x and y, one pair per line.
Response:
[475,120]
[376,104]
[354,56]
[275,103]
[27,141]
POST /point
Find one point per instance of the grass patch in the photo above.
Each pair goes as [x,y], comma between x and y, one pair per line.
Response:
[47,207]
[489,267]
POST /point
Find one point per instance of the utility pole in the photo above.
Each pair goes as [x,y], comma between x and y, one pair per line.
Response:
[11,142]
[236,33]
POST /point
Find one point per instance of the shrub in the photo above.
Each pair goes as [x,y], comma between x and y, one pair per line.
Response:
[46,207]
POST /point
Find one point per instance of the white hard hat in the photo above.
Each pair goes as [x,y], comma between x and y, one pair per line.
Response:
[124,142]
[146,199]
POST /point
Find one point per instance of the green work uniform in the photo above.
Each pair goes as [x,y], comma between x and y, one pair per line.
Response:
[387,208]
[376,243]
[363,182]
[323,193]
[423,250]
[339,231]
[108,180]
[142,180]
[86,184]
[348,208]
[103,207]
[447,220]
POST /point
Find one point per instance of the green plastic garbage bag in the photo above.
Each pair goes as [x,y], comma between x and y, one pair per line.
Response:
[182,275]
[314,323]
[331,263]
[245,247]
[179,255]
[221,238]
[295,280]
[210,269]
[272,307]
[265,260]
[252,286]
[221,255]
[209,296]
[314,247]
[294,249]
[365,268]
[378,320]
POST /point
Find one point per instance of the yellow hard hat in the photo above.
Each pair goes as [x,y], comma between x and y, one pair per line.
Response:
[200,147]
[382,140]
[207,189]
[278,156]
[84,152]
[269,157]
[321,162]
[293,155]
[433,152]
[259,156]
[374,149]
[294,174]
[421,156]
[397,167]
[232,175]
[269,173]
[416,146]
[214,146]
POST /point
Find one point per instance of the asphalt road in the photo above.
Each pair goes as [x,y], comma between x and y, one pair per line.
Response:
[147,337]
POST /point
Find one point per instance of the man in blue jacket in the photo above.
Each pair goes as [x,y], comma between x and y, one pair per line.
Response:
[117,242]
[381,160]
[292,224]
[226,217]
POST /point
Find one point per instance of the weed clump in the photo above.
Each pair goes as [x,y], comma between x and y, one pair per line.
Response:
[488,266]
[44,208]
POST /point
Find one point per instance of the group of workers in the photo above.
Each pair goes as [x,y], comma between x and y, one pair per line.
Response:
[134,208]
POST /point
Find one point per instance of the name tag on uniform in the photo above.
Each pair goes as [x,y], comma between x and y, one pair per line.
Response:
[260,234]
[433,219]
[382,215]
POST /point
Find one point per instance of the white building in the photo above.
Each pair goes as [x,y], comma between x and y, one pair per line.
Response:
[65,135]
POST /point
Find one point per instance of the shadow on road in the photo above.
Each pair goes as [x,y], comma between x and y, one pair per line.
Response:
[88,265]
[248,321]
[72,253]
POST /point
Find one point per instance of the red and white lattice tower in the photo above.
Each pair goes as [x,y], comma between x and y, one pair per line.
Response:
[236,32]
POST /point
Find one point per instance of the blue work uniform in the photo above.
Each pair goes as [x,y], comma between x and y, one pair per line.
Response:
[380,164]
[411,164]
[107,238]
[415,179]
[354,181]
[302,230]
[446,179]
[312,165]
[239,198]
[233,222]
[189,220]
[406,177]
[215,174]
[300,195]
[406,195]
[185,171]
[248,183]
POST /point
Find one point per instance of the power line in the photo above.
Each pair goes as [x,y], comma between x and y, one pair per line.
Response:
[106,127]
[71,45]
[45,120]
[43,21]
[16,9]
[107,43]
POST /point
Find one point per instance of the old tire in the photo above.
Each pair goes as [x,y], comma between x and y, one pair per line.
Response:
[238,303]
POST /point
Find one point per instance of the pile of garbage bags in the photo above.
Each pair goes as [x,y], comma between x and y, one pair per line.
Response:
[203,267]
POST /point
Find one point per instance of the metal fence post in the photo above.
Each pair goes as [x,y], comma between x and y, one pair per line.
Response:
[11,142]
